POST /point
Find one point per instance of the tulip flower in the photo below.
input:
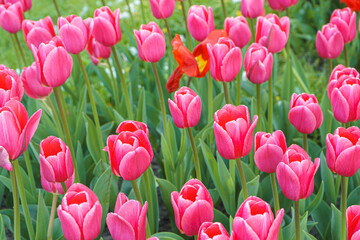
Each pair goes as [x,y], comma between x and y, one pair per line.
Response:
[80,213]
[296,173]
[258,63]
[352,222]
[305,113]
[97,51]
[345,20]
[132,126]
[53,63]
[32,85]
[11,17]
[341,73]
[238,30]
[353,4]
[10,85]
[200,22]
[215,231]
[255,220]
[192,207]
[269,150]
[73,33]
[280,5]
[54,188]
[37,32]
[272,32]
[128,221]
[106,28]
[151,42]
[329,41]
[26,4]
[252,8]
[162,8]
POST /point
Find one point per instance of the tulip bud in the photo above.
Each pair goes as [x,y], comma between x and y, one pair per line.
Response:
[209,230]
[345,21]
[106,29]
[329,41]
[238,30]
[55,188]
[10,85]
[353,222]
[258,63]
[26,4]
[37,32]
[97,51]
[200,22]
[280,5]
[11,17]
[32,85]
[162,8]
[252,8]
[340,74]
[73,33]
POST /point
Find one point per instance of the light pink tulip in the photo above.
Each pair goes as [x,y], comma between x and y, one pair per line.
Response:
[73,33]
[11,17]
[106,29]
[252,8]
[329,41]
[37,32]
[353,222]
[10,85]
[341,73]
[280,5]
[97,51]
[345,20]
[32,85]
[258,63]
[26,4]
[55,188]
[162,8]
[238,30]
[200,22]
[215,231]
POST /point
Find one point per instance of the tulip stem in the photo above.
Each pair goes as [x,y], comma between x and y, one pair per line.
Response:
[347,62]
[223,8]
[252,29]
[330,69]
[16,206]
[137,191]
[210,97]
[57,8]
[20,49]
[275,192]
[103,2]
[23,200]
[196,157]
[344,184]
[149,193]
[226,92]
[238,95]
[271,105]
[131,14]
[64,187]
[242,177]
[52,216]
[142,11]
[115,86]
[55,117]
[59,100]
[15,48]
[305,142]
[30,171]
[168,30]
[123,83]
[297,220]
[258,104]
[185,21]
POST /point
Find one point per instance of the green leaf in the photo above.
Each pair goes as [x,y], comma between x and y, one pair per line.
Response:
[2,229]
[167,236]
[320,213]
[141,108]
[166,188]
[328,178]
[6,181]
[354,197]
[222,218]
[309,236]
[227,183]
[253,188]
[92,139]
[317,200]
[335,223]
[42,219]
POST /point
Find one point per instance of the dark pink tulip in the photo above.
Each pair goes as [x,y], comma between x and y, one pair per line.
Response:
[151,42]
[80,213]
[342,155]
[269,150]
[296,172]
[10,85]
[97,51]
[192,207]
[305,113]
[272,32]
[238,30]
[53,63]
[255,220]
[128,221]
[26,4]
[4,159]
[345,20]
[73,33]
[132,126]
[11,17]
[16,128]
[162,8]
[32,84]
[252,8]
[280,5]
[329,41]
[215,231]
[106,29]
[225,60]
[258,63]
[340,73]
[200,22]
[353,222]
[55,188]
[234,131]
[37,32]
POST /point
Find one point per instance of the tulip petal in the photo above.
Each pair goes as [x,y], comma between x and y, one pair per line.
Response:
[224,143]
[267,157]
[153,47]
[119,228]
[197,213]
[302,119]
[174,201]
[340,106]
[241,230]
[288,181]
[104,32]
[176,114]
[231,64]
[134,164]
[69,226]
[194,112]
[348,162]
[92,222]
[274,229]
[4,159]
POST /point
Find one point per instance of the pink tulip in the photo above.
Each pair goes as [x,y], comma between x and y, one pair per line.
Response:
[342,155]
[258,63]
[238,30]
[215,231]
[162,8]
[353,222]
[200,22]
[341,73]
[269,150]
[32,85]
[329,41]
[53,63]
[37,32]
[345,20]
[10,85]
[255,220]
[225,60]
[97,51]
[132,126]
[11,17]
[128,221]
[151,42]
[4,159]
[106,29]
[192,207]
[234,131]
[272,32]
[252,8]
[305,113]
[26,4]
[280,5]
[73,32]
[16,129]
[80,213]
[55,188]
[296,173]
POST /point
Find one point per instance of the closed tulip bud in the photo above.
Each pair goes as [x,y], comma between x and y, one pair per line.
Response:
[272,32]
[234,131]
[353,222]
[10,85]
[162,8]
[329,41]
[340,73]
[342,155]
[97,51]
[296,172]
[192,207]
[200,22]
[128,221]
[269,150]
[73,32]
[132,126]
[106,29]
[345,20]
[305,113]
[255,220]
[26,4]
[55,188]
[280,5]
[151,42]
[11,17]
[215,231]
[32,85]
[252,8]
[225,60]
[37,32]
[53,63]
[80,213]
[258,63]
[238,30]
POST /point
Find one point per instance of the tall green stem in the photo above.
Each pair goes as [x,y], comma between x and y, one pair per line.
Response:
[15,49]
[252,29]
[242,177]
[258,104]
[57,7]
[330,69]
[114,86]
[344,183]
[148,194]
[52,216]
[226,92]
[131,14]
[238,92]
[224,8]
[142,11]
[30,172]
[210,98]
[16,205]
[196,157]
[275,192]
[168,30]
[347,62]
[185,21]
[305,142]
[297,220]
[20,49]
[271,105]
[55,117]
[64,187]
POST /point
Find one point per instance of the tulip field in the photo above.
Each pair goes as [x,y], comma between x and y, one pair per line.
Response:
[179,119]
